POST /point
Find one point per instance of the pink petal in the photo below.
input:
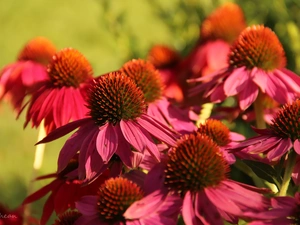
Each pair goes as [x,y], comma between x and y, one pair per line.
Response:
[236,136]
[276,89]
[291,80]
[260,78]
[206,211]
[297,146]
[236,81]
[155,179]
[63,130]
[145,206]
[217,54]
[218,95]
[107,142]
[73,145]
[283,146]
[133,135]
[220,199]
[158,129]
[188,212]
[248,95]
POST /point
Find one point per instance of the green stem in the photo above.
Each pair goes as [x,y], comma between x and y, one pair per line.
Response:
[291,161]
[259,112]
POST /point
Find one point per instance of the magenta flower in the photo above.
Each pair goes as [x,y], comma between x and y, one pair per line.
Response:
[117,125]
[222,136]
[277,140]
[284,211]
[61,97]
[121,201]
[167,62]
[65,190]
[20,77]
[256,63]
[197,171]
[217,32]
[148,80]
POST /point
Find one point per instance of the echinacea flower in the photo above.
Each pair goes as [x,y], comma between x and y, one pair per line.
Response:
[197,171]
[18,78]
[61,97]
[284,211]
[148,80]
[217,33]
[282,135]
[222,136]
[117,125]
[256,64]
[65,190]
[67,218]
[166,60]
[121,201]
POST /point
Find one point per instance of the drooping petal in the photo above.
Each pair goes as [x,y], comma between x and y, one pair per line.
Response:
[206,211]
[276,89]
[133,135]
[63,130]
[188,211]
[221,200]
[86,205]
[145,206]
[248,95]
[236,81]
[158,129]
[107,142]
[47,210]
[283,146]
[260,78]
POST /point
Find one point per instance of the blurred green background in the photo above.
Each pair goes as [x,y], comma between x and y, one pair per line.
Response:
[109,33]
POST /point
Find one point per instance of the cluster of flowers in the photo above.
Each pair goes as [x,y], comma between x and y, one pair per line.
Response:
[137,156]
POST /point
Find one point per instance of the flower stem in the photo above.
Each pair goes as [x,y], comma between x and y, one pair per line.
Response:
[291,161]
[37,164]
[259,112]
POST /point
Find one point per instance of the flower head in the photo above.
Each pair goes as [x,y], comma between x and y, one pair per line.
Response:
[259,47]
[162,56]
[67,218]
[279,138]
[194,154]
[222,136]
[225,23]
[121,201]
[19,78]
[116,125]
[61,98]
[146,77]
[148,80]
[198,172]
[256,64]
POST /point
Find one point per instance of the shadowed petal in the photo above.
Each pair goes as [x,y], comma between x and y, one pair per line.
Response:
[283,146]
[206,211]
[297,146]
[158,129]
[133,135]
[276,89]
[87,204]
[107,142]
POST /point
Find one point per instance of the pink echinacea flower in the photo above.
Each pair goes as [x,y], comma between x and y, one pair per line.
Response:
[20,77]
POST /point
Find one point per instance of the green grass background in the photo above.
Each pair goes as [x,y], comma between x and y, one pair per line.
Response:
[108,33]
